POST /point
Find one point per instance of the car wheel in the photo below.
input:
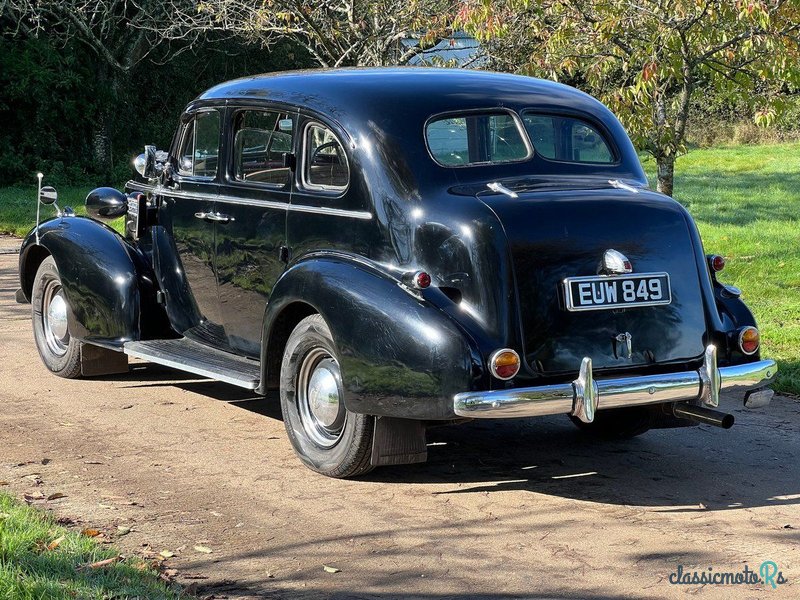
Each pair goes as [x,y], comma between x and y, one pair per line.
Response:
[327,437]
[618,423]
[60,352]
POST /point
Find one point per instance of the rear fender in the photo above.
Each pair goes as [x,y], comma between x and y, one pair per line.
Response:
[107,282]
[399,355]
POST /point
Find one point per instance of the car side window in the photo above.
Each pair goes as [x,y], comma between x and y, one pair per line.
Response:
[324,160]
[567,139]
[260,143]
[199,151]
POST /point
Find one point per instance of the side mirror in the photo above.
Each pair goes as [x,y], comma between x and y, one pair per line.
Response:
[106,203]
[145,163]
[48,195]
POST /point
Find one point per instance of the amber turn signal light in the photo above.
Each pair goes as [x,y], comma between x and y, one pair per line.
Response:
[749,340]
[504,364]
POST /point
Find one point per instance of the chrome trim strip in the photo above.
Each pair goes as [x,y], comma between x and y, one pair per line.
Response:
[575,398]
[627,276]
[225,199]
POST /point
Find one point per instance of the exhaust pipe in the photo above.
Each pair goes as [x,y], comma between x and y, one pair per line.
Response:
[702,415]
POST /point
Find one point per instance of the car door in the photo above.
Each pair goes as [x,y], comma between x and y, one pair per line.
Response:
[185,239]
[255,196]
[330,206]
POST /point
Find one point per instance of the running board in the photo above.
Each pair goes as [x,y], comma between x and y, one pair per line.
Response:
[191,356]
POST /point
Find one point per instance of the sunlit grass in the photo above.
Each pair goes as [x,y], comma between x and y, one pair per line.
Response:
[746,201]
[39,559]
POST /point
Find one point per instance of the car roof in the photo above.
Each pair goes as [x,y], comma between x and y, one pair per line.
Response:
[407,90]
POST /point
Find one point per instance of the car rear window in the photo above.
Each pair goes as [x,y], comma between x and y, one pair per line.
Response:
[567,139]
[471,139]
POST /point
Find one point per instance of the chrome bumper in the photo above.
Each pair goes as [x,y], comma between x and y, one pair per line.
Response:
[585,395]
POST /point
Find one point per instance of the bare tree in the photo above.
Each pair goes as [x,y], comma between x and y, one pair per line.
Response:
[335,32]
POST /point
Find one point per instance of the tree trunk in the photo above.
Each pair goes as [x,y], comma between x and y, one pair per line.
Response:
[666,174]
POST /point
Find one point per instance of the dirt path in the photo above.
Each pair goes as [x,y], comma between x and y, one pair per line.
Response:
[502,509]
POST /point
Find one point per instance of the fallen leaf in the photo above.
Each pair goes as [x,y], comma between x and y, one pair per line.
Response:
[203,549]
[90,532]
[331,569]
[127,406]
[92,462]
[100,563]
[122,530]
[55,543]
[56,496]
[788,527]
[166,554]
[32,497]
[3,483]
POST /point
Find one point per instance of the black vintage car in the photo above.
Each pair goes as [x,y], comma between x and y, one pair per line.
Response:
[392,248]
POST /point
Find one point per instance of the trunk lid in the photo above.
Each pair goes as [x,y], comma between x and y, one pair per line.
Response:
[558,233]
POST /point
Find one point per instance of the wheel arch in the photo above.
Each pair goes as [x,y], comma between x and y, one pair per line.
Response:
[276,337]
[108,284]
[400,355]
[29,263]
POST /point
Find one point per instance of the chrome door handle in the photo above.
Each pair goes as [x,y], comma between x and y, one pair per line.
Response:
[214,217]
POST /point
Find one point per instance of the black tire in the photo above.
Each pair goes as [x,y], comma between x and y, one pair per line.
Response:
[59,351]
[329,440]
[618,423]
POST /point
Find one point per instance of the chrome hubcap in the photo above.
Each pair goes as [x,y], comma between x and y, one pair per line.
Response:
[319,390]
[54,317]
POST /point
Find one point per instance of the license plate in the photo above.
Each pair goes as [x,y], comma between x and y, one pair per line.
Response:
[601,293]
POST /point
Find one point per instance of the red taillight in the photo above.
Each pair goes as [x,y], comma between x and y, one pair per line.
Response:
[749,340]
[421,280]
[504,364]
[716,262]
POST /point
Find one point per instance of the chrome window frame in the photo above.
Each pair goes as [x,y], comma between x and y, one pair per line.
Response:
[480,111]
[598,127]
[314,187]
[191,122]
[234,179]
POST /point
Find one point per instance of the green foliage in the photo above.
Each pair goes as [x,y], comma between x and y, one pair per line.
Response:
[39,559]
[56,99]
[647,60]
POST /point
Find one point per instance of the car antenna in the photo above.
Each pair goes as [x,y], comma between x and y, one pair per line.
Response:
[498,187]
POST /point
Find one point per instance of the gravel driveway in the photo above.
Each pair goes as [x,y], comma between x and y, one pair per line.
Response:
[502,509]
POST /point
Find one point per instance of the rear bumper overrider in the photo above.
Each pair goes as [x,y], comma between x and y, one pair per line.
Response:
[585,395]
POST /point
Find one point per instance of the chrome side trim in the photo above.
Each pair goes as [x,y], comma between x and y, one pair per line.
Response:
[320,210]
[584,394]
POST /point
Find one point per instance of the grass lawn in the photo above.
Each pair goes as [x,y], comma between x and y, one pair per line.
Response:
[746,200]
[18,206]
[39,559]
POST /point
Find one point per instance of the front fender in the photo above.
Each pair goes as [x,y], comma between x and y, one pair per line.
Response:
[399,355]
[103,277]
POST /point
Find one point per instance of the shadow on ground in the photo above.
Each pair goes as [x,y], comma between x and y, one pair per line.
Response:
[757,463]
